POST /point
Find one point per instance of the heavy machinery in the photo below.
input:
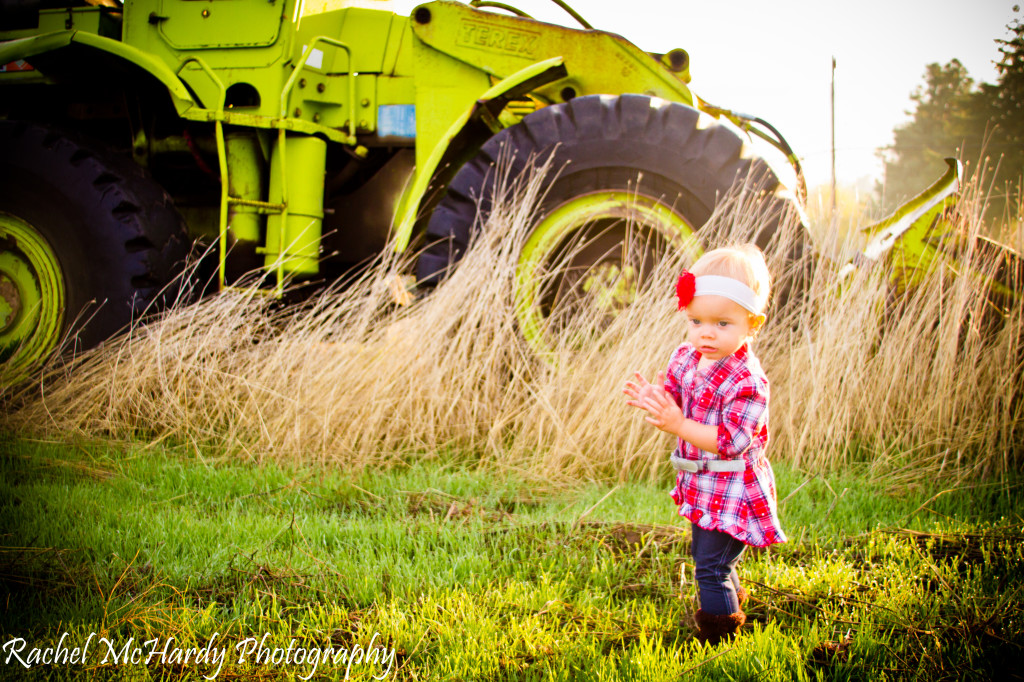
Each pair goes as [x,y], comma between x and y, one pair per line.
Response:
[302,144]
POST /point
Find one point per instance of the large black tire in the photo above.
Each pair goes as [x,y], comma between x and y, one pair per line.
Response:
[117,239]
[663,151]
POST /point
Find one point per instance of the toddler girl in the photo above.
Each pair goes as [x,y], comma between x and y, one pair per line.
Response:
[715,400]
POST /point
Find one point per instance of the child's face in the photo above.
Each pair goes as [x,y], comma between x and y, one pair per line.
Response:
[718,327]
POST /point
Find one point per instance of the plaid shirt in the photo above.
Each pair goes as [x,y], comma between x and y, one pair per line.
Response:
[731,394]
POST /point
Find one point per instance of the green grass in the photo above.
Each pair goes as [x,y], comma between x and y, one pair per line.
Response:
[469,576]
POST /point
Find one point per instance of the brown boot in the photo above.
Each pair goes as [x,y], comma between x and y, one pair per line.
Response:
[713,628]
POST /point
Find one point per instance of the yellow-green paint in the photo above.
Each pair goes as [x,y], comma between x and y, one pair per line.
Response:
[409,204]
[217,25]
[914,235]
[293,236]
[66,20]
[569,219]
[183,101]
[244,184]
[500,45]
[32,298]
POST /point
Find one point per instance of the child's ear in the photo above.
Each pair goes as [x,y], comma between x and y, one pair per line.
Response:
[756,322]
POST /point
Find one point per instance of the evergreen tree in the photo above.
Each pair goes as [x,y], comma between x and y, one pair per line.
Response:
[1005,103]
[945,123]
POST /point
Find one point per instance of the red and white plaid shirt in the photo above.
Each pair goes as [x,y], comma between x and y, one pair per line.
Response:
[731,394]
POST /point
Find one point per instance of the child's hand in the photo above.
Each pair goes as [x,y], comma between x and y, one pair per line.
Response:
[663,412]
[638,391]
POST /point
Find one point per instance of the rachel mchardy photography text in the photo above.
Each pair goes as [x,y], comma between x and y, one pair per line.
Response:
[209,660]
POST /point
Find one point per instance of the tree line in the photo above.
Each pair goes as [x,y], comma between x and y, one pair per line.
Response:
[982,124]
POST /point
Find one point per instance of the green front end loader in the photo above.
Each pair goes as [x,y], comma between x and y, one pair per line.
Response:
[298,145]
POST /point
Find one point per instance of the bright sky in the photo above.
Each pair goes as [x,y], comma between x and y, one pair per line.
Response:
[773,60]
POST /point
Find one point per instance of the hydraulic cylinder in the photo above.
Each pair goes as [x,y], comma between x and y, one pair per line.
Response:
[297,182]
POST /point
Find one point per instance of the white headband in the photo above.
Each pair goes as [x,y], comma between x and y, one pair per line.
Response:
[732,289]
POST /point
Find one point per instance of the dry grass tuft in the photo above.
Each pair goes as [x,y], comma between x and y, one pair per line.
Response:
[350,379]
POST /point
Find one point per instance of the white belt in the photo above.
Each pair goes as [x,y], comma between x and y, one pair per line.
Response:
[693,466]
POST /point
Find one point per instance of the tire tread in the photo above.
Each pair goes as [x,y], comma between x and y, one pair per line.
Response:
[124,223]
[591,132]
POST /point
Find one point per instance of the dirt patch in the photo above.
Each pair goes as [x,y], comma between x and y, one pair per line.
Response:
[831,652]
[638,539]
[253,577]
[443,507]
[43,569]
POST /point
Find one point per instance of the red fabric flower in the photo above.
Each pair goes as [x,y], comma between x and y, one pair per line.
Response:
[685,288]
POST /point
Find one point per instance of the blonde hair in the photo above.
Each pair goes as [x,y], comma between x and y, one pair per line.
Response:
[743,262]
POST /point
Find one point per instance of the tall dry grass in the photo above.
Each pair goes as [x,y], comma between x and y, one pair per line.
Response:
[352,380]
[927,381]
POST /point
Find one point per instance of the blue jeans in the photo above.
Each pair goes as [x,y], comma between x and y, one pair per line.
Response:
[715,555]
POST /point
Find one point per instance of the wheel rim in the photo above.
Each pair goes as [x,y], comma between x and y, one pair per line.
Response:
[31,298]
[589,228]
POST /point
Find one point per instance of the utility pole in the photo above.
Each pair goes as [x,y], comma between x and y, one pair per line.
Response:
[833,113]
